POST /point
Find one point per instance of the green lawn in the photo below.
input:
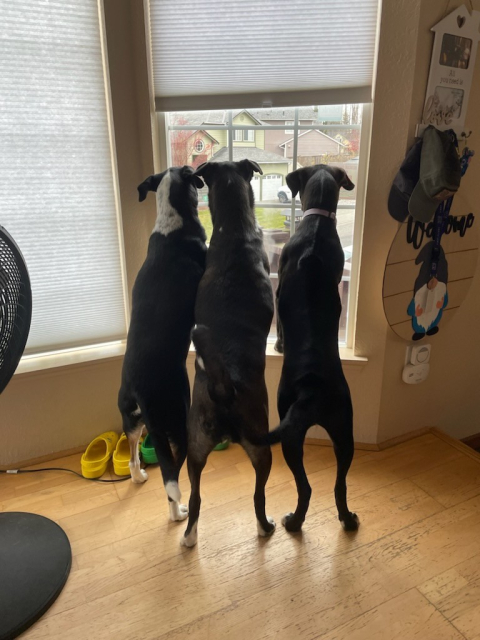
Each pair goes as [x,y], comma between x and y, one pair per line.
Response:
[267,219]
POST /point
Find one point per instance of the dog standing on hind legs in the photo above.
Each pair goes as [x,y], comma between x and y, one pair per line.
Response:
[313,389]
[234,311]
[155,390]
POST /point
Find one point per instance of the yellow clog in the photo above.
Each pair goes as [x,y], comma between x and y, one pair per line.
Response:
[98,453]
[121,457]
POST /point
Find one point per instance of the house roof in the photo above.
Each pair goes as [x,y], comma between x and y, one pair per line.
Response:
[304,113]
[199,117]
[311,131]
[249,112]
[252,153]
[194,133]
[219,118]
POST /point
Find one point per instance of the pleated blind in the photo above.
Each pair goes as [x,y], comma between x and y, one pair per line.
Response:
[247,53]
[56,178]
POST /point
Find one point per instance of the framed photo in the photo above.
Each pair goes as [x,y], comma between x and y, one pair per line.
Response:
[455,51]
[451,70]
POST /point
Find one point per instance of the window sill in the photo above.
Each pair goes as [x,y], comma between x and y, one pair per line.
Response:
[68,357]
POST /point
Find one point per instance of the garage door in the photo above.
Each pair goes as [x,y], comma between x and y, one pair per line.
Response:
[271,184]
[256,187]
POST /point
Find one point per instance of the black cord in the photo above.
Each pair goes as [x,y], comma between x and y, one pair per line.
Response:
[17,471]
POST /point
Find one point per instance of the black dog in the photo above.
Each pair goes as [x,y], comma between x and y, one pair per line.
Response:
[313,389]
[233,312]
[155,390]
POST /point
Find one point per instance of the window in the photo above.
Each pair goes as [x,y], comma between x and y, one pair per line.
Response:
[244,135]
[234,87]
[277,214]
[199,146]
[57,189]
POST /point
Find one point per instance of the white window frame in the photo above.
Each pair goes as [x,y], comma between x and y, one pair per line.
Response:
[249,135]
[289,123]
[237,136]
[359,205]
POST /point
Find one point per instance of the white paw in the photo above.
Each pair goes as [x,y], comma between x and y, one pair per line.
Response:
[191,539]
[178,511]
[139,476]
[262,532]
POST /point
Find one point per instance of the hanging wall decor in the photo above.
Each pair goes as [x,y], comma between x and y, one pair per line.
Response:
[451,70]
[422,293]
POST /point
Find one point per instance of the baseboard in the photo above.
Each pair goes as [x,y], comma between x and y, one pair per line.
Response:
[325,442]
[458,444]
[464,445]
[472,441]
[386,444]
[367,446]
[42,459]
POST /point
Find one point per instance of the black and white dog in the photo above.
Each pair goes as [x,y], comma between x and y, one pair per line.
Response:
[233,312]
[313,389]
[155,390]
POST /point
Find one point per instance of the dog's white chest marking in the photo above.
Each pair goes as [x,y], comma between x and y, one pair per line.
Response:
[168,218]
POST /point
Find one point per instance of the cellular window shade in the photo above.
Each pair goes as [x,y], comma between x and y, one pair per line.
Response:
[56,179]
[243,53]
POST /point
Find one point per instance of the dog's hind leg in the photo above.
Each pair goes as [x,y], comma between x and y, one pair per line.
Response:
[198,452]
[138,474]
[292,449]
[261,457]
[299,417]
[132,427]
[340,429]
[179,511]
[170,466]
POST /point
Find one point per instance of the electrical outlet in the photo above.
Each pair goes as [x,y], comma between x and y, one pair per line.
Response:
[415,373]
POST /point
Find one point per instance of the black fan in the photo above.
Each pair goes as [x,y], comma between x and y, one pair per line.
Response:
[15,307]
[35,554]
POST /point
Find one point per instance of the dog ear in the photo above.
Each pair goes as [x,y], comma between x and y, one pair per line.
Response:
[189,174]
[248,168]
[150,184]
[346,183]
[341,177]
[294,182]
[205,170]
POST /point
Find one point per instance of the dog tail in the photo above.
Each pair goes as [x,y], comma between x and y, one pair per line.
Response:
[298,418]
[220,386]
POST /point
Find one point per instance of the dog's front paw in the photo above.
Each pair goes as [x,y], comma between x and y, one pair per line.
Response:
[351,522]
[279,346]
[290,523]
[264,531]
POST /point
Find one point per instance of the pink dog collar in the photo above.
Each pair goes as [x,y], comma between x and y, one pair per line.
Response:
[321,212]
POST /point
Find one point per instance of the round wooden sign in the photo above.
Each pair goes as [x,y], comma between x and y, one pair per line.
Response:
[415,303]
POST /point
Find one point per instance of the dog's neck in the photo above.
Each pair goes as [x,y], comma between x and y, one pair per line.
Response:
[169,219]
[321,212]
[234,213]
[321,194]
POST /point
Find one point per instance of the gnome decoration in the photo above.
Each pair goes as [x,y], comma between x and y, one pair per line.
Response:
[430,295]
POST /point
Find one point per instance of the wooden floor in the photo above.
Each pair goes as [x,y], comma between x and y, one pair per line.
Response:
[411,572]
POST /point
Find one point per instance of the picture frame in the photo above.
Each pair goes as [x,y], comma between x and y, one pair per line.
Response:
[451,69]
